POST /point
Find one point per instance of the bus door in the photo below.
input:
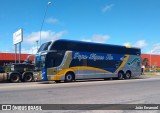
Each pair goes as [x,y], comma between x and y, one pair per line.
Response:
[40,65]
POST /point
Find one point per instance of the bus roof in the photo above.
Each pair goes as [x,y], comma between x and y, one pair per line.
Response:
[72,45]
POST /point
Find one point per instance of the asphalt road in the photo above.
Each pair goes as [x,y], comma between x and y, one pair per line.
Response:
[142,90]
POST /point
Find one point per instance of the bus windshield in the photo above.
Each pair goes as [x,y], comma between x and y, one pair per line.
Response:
[44,46]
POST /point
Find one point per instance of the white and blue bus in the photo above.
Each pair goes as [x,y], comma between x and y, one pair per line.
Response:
[68,60]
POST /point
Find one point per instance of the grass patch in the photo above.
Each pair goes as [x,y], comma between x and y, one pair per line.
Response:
[152,73]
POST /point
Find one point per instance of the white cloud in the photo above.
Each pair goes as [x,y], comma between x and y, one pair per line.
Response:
[7,51]
[141,44]
[52,20]
[155,49]
[99,38]
[107,8]
[32,50]
[45,35]
[127,44]
[87,40]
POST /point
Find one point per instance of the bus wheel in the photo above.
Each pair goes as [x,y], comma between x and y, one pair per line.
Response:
[69,77]
[14,78]
[127,75]
[28,77]
[120,75]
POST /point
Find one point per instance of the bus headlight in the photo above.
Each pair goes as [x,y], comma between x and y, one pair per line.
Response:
[59,69]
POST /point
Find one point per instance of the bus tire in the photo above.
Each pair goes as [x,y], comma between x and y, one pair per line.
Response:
[120,75]
[127,75]
[28,77]
[14,78]
[69,77]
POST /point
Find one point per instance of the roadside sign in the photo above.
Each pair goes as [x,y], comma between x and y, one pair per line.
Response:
[18,36]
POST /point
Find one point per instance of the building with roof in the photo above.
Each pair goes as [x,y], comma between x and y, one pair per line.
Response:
[7,58]
[153,59]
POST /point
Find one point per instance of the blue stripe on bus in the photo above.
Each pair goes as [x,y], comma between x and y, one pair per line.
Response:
[44,74]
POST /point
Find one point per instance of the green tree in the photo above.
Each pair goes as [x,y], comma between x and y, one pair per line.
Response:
[145,62]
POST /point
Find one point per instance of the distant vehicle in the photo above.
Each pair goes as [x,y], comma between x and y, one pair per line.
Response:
[1,69]
[67,60]
[18,72]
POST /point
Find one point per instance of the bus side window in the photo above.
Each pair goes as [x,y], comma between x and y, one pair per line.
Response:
[84,62]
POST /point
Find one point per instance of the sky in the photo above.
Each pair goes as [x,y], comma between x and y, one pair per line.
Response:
[134,23]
